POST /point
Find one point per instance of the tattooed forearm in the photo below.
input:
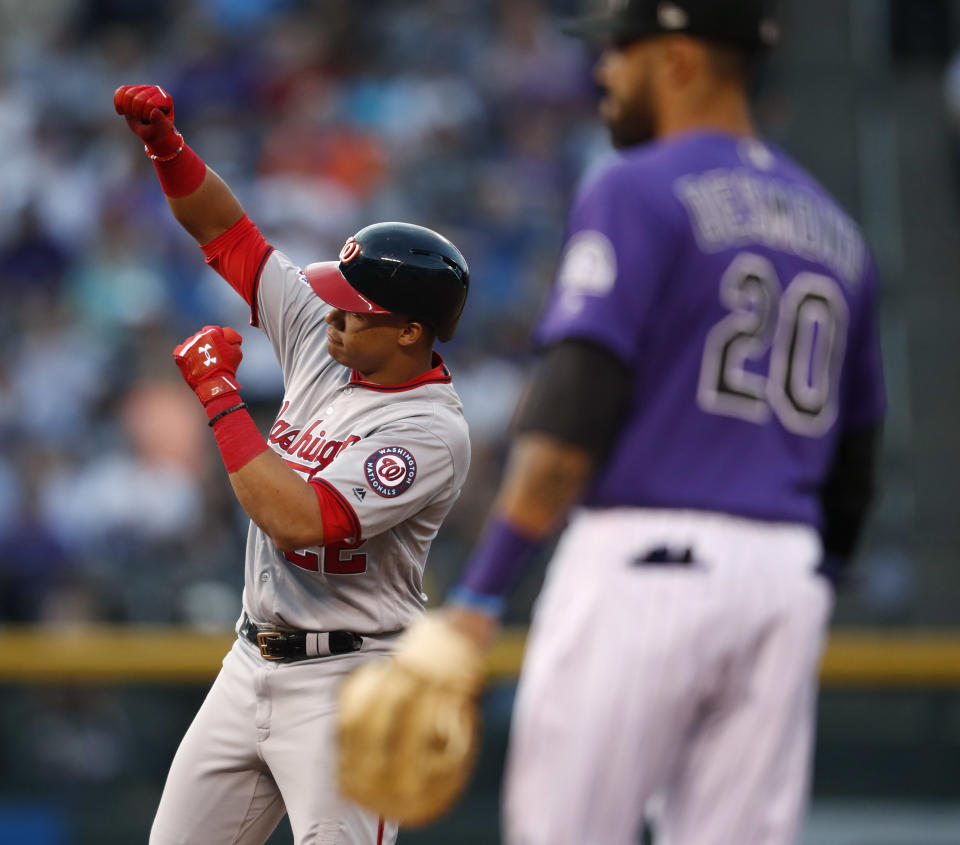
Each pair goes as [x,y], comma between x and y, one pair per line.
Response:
[544,478]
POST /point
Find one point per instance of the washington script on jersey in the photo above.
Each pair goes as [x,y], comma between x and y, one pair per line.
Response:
[315,449]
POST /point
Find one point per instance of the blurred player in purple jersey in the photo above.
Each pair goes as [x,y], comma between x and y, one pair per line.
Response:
[705,419]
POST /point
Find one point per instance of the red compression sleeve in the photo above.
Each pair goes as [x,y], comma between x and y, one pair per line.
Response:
[180,174]
[239,255]
[340,521]
[237,434]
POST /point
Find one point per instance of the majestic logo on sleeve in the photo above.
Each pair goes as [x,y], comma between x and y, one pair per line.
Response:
[390,471]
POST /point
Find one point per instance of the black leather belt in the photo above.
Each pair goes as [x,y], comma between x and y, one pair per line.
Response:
[298,645]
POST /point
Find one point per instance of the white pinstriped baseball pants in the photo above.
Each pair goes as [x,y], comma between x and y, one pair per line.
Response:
[693,685]
[262,744]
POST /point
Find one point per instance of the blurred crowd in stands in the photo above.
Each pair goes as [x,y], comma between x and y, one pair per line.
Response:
[474,117]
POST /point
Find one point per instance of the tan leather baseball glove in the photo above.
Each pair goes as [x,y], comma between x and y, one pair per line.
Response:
[409,725]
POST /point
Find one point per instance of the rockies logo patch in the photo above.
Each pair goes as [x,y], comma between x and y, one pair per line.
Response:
[390,471]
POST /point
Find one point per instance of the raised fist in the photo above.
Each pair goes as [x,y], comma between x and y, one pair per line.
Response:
[149,113]
[209,361]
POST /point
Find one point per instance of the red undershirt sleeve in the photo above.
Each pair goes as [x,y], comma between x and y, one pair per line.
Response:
[340,521]
[239,255]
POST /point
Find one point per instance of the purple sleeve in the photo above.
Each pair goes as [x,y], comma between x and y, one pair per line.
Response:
[497,560]
[864,396]
[610,267]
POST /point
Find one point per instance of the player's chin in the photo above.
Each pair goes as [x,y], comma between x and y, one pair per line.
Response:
[608,110]
[611,118]
[337,351]
[625,133]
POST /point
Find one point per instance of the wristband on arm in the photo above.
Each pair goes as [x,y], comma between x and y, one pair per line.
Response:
[496,561]
[238,437]
[180,172]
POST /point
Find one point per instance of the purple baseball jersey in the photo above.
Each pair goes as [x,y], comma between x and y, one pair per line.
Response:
[742,298]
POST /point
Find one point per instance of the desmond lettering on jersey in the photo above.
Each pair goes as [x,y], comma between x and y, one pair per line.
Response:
[310,446]
[736,207]
[390,471]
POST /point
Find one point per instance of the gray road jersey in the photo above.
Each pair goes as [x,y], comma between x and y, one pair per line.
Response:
[398,457]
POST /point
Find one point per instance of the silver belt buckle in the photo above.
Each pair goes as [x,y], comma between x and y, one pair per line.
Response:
[262,639]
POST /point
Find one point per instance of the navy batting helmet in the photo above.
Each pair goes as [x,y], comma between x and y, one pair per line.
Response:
[396,268]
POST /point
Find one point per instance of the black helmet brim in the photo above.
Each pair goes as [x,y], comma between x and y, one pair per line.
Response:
[330,285]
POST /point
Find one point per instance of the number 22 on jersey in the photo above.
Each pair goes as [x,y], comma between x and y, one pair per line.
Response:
[804,328]
[338,559]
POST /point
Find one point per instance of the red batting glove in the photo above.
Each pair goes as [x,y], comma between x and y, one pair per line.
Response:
[209,361]
[149,113]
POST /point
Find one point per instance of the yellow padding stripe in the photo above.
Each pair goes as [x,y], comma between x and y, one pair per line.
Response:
[854,657]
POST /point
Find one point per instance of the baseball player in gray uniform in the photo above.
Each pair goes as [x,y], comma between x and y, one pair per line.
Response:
[705,418]
[345,494]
